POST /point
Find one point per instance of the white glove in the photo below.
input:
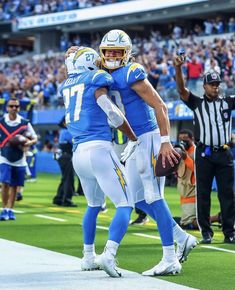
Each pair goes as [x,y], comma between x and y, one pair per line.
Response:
[130,148]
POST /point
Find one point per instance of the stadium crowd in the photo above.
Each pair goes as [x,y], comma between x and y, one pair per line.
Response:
[39,78]
[10,9]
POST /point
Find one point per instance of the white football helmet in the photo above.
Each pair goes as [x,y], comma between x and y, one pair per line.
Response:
[84,59]
[115,40]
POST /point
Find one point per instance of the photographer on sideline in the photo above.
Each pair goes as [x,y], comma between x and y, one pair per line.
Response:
[186,180]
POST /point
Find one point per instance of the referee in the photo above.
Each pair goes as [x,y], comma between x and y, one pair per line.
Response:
[213,157]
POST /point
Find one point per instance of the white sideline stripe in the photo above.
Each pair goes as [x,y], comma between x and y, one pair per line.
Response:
[36,269]
[50,218]
[209,247]
[102,228]
[18,211]
[219,249]
[146,236]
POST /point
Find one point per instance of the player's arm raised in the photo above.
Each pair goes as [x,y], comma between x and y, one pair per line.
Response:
[178,61]
[145,90]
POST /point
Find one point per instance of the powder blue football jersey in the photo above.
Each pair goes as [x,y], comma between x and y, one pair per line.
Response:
[85,120]
[139,114]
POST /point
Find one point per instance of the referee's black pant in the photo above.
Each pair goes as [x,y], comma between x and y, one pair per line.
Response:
[65,189]
[220,165]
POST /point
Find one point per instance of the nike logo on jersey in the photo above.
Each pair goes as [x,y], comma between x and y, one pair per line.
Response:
[137,76]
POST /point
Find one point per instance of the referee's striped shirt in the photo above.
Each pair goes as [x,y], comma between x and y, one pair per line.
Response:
[213,119]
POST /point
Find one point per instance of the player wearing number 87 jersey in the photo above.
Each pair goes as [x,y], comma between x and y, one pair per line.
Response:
[100,172]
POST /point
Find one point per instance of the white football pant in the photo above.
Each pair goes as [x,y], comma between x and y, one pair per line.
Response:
[101,174]
[140,167]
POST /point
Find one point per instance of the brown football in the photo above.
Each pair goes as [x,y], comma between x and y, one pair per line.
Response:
[161,171]
[17,140]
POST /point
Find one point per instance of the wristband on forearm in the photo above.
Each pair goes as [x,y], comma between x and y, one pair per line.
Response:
[165,139]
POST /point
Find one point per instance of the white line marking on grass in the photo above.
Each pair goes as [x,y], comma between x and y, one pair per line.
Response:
[50,218]
[102,228]
[18,211]
[146,236]
[219,249]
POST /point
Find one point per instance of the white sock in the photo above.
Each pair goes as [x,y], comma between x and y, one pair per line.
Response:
[112,247]
[179,234]
[89,250]
[169,253]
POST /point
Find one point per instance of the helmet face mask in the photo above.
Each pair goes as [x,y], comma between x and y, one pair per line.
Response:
[115,40]
[84,59]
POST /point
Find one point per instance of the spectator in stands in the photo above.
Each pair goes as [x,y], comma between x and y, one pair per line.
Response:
[154,73]
[208,24]
[48,146]
[164,78]
[12,159]
[195,72]
[231,24]
[219,26]
[177,32]
[39,68]
[211,64]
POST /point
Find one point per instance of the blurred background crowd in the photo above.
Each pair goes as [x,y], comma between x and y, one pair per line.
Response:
[39,78]
[10,9]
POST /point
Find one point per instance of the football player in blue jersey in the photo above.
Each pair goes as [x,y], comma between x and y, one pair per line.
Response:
[147,115]
[88,110]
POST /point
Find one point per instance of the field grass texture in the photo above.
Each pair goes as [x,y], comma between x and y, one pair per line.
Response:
[207,268]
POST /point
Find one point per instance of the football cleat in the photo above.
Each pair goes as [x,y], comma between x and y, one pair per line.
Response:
[140,221]
[164,268]
[108,264]
[184,249]
[88,263]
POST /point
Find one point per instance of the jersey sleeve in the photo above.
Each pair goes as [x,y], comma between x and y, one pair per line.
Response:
[193,101]
[136,72]
[102,79]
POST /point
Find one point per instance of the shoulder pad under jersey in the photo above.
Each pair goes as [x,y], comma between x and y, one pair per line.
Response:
[136,72]
[102,79]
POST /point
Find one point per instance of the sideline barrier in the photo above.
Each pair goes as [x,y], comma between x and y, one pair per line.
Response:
[46,163]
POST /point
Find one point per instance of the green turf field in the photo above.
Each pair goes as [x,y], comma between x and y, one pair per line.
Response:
[206,268]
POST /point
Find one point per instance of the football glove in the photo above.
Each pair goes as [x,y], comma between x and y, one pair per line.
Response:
[130,148]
